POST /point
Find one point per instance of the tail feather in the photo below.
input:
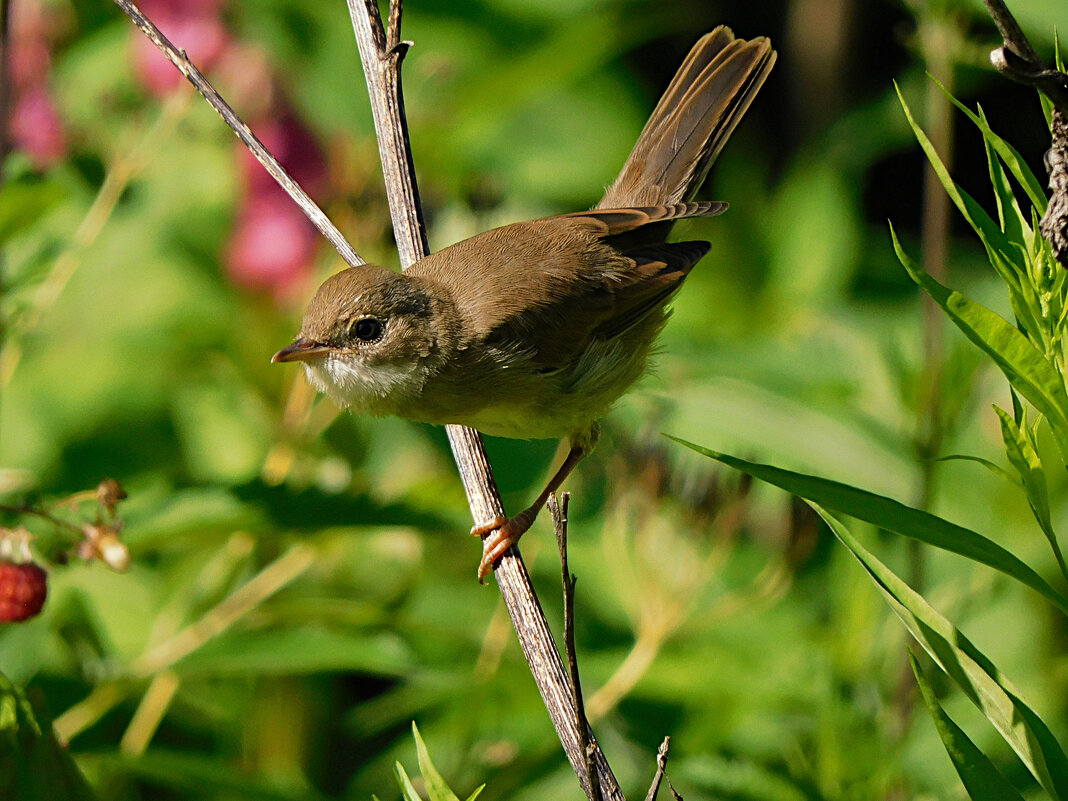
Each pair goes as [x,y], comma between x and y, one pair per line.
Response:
[693,120]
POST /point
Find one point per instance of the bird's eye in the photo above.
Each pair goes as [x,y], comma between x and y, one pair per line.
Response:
[367,329]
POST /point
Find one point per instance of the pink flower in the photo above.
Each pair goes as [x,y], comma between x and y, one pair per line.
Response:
[272,247]
[194,25]
[35,128]
[294,147]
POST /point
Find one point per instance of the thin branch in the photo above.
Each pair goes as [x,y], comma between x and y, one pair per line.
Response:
[558,512]
[661,768]
[179,58]
[1018,61]
[381,59]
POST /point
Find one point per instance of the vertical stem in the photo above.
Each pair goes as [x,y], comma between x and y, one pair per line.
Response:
[381,54]
[936,40]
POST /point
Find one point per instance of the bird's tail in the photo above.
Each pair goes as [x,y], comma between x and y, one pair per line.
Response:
[695,117]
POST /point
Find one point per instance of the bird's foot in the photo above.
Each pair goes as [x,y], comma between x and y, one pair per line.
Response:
[499,535]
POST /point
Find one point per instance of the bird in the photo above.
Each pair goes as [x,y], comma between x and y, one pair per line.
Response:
[534,329]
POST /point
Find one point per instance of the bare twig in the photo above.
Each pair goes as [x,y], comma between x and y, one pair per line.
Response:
[244,133]
[558,512]
[661,767]
[1017,60]
[381,57]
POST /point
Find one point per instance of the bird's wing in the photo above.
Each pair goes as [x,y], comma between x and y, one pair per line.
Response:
[542,291]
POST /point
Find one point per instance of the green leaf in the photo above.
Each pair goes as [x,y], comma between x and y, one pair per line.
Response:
[1024,457]
[989,231]
[295,651]
[407,788]
[977,773]
[435,784]
[997,470]
[1012,219]
[477,792]
[192,775]
[1029,372]
[33,765]
[977,676]
[23,202]
[893,516]
[1006,152]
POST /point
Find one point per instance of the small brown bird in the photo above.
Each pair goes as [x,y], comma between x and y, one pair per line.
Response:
[533,330]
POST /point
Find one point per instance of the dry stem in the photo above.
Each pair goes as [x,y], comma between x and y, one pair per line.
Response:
[381,55]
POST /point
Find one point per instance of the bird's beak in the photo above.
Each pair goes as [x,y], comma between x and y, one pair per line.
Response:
[302,350]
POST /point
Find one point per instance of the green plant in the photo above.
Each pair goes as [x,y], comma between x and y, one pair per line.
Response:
[1030,352]
[436,787]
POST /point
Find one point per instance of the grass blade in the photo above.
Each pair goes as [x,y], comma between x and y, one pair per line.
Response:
[435,784]
[893,516]
[1020,726]
[1006,152]
[1021,451]
[977,773]
[1027,369]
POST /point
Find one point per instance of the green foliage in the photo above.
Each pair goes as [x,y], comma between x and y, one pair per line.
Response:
[34,766]
[983,781]
[1030,355]
[436,787]
[302,584]
[896,517]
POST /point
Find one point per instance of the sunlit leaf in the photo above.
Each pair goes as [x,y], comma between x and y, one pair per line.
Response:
[982,780]
[1024,457]
[892,516]
[981,681]
[997,470]
[1027,369]
[989,231]
[407,788]
[1006,152]
[436,786]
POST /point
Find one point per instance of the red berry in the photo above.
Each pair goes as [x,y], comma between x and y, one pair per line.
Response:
[23,588]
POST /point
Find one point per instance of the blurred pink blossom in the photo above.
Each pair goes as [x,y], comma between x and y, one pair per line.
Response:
[295,148]
[272,247]
[34,125]
[194,25]
[35,128]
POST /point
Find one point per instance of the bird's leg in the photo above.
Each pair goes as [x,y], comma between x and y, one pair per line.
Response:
[504,532]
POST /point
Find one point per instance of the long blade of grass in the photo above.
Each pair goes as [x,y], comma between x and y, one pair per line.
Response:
[989,231]
[1020,726]
[1006,152]
[1012,219]
[892,516]
[977,773]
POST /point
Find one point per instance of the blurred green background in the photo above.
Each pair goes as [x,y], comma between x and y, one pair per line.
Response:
[302,585]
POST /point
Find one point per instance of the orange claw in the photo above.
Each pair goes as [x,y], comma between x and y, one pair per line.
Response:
[499,535]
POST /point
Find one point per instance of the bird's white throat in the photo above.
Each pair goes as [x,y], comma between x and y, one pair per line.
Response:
[374,389]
